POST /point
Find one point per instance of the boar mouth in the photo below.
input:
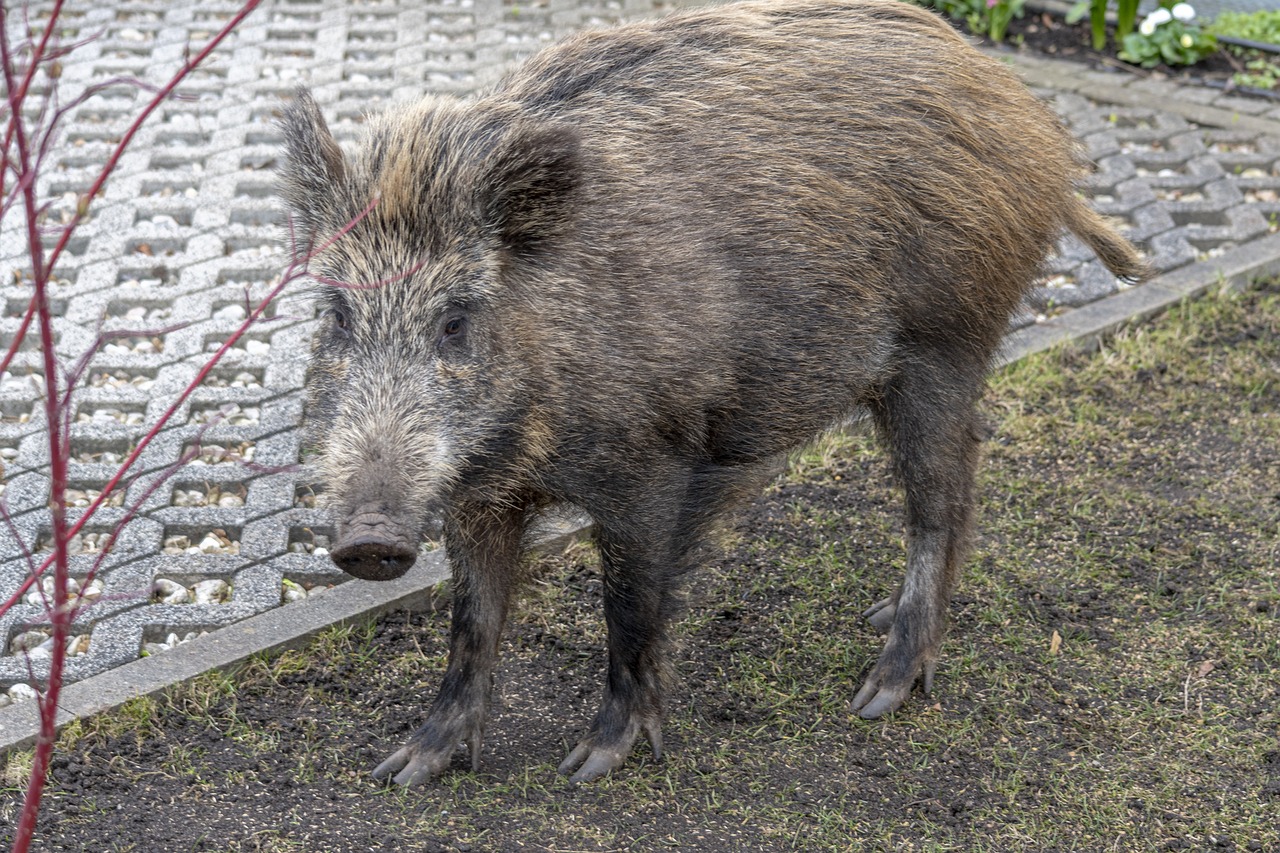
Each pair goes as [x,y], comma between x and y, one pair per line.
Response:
[373,546]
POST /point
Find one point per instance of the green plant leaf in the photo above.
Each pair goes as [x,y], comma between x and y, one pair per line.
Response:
[1098,22]
[1126,14]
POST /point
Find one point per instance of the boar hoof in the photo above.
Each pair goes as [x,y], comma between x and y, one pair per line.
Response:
[416,762]
[887,687]
[594,760]
[374,558]
[880,614]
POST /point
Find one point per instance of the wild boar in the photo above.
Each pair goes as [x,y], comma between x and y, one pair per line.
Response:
[634,275]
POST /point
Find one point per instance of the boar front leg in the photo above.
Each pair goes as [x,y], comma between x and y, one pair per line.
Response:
[483,545]
[650,535]
[929,420]
[638,600]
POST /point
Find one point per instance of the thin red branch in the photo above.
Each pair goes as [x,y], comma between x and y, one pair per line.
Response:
[82,363]
[18,96]
[26,166]
[165,475]
[151,107]
[19,336]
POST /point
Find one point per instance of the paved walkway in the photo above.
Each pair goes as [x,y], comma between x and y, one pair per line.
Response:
[189,225]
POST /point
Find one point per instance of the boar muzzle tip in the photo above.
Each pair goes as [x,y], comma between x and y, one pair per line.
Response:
[374,558]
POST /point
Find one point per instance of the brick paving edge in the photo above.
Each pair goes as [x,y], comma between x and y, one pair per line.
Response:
[1085,327]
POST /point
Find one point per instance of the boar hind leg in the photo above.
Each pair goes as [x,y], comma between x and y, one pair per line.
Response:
[929,422]
[483,545]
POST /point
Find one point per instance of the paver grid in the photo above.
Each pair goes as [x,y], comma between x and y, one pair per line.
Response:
[188,230]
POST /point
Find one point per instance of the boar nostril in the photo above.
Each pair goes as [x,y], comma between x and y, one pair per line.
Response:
[374,558]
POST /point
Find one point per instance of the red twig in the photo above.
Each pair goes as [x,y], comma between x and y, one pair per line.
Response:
[24,163]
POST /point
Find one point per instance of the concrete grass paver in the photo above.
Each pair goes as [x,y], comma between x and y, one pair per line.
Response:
[188,233]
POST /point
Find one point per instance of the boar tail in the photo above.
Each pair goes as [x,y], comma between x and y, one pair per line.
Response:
[1117,253]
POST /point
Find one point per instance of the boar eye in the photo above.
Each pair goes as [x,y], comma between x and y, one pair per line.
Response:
[340,320]
[452,330]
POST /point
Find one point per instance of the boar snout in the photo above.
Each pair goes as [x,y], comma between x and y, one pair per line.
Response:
[373,547]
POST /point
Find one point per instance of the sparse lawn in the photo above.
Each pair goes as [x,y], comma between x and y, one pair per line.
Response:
[1111,681]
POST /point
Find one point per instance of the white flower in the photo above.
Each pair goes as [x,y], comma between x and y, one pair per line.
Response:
[1187,40]
[1183,12]
[1147,27]
[1158,17]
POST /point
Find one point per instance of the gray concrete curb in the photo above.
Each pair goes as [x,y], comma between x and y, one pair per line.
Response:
[276,630]
[226,647]
[1086,326]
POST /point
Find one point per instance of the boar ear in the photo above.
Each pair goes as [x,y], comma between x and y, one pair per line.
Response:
[314,167]
[526,193]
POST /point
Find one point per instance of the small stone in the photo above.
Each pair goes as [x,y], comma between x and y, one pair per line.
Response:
[149,649]
[92,590]
[212,592]
[27,641]
[21,692]
[78,645]
[166,591]
[211,544]
[176,545]
[227,501]
[291,591]
[257,347]
[44,651]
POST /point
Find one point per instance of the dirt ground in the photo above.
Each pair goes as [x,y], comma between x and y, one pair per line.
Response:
[1109,682]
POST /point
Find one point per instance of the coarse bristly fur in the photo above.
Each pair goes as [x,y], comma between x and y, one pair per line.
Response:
[636,273]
